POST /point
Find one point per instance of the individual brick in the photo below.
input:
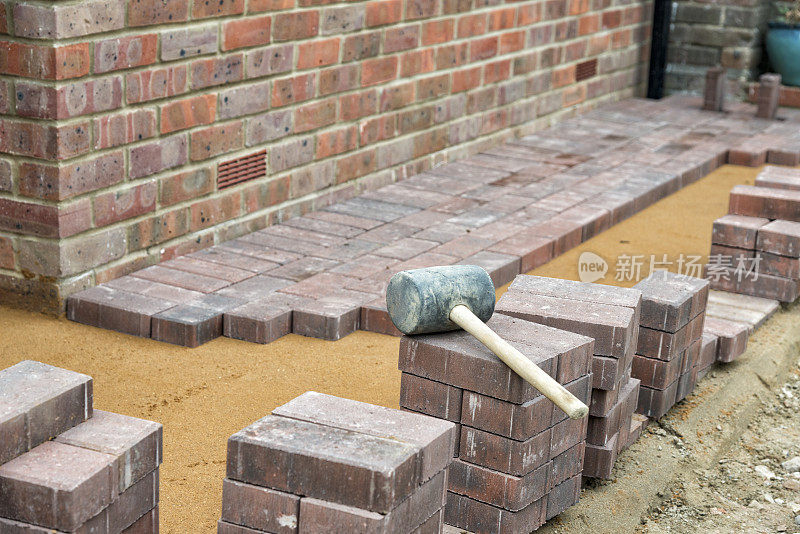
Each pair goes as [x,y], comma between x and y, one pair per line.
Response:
[654,403]
[611,327]
[340,466]
[582,389]
[133,503]
[515,421]
[714,92]
[599,460]
[780,266]
[147,524]
[460,360]
[323,319]
[764,286]
[187,325]
[501,267]
[582,291]
[737,231]
[475,516]
[566,434]
[57,486]
[121,311]
[497,488]
[637,426]
[136,444]
[766,202]
[603,400]
[320,516]
[507,455]
[780,237]
[600,429]
[259,508]
[769,90]
[432,398]
[375,318]
[708,350]
[563,496]
[668,345]
[433,438]
[686,384]
[669,300]
[260,321]
[778,177]
[38,402]
[566,465]
[732,338]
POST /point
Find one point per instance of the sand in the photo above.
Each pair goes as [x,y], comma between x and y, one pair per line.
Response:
[204,395]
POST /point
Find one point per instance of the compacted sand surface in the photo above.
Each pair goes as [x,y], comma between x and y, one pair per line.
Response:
[204,395]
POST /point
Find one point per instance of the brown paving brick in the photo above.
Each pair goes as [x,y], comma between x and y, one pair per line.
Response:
[778,177]
[780,237]
[231,275]
[563,496]
[254,288]
[582,291]
[186,280]
[764,286]
[780,266]
[503,454]
[322,462]
[737,231]
[260,321]
[321,516]
[567,433]
[231,259]
[57,486]
[654,403]
[148,288]
[475,516]
[601,429]
[348,220]
[115,310]
[599,459]
[136,444]
[432,437]
[348,251]
[732,338]
[38,402]
[516,421]
[259,508]
[432,398]
[325,320]
[532,250]
[607,372]
[766,202]
[318,285]
[611,327]
[186,325]
[501,267]
[287,244]
[666,345]
[708,350]
[566,465]
[496,488]
[686,384]
[147,524]
[462,361]
[375,318]
[669,301]
[134,502]
[250,249]
[303,268]
[299,234]
[582,389]
[325,227]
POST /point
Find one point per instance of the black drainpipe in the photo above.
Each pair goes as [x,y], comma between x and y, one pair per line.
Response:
[658,49]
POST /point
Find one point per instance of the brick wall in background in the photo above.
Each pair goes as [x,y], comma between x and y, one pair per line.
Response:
[133,131]
[705,34]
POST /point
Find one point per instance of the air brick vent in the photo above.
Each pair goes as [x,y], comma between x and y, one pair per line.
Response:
[236,171]
[586,70]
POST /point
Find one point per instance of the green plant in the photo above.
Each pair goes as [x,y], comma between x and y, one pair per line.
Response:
[790,13]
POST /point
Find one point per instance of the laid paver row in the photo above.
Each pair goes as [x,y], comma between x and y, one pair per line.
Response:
[509,210]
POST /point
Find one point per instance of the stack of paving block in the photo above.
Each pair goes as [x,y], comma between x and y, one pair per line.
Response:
[670,339]
[762,233]
[518,457]
[609,315]
[65,467]
[326,464]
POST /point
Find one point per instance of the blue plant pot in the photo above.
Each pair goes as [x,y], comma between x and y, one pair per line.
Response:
[783,48]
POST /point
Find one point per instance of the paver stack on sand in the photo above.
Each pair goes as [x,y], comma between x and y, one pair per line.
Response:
[69,468]
[668,354]
[609,315]
[323,464]
[518,457]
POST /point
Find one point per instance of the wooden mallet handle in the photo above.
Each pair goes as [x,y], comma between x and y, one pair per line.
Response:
[569,403]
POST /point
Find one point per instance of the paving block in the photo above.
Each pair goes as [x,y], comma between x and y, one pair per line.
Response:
[733,255]
[763,286]
[752,319]
[260,321]
[432,437]
[566,465]
[321,516]
[515,421]
[375,318]
[57,486]
[737,231]
[502,268]
[38,402]
[767,307]
[183,279]
[769,90]
[638,424]
[135,443]
[603,401]
[607,372]
[670,301]
[714,91]
[778,177]
[497,488]
[566,494]
[147,524]
[116,310]
[686,384]
[668,345]
[780,237]
[655,373]
[432,525]
[186,325]
[459,359]
[776,265]
[331,464]
[133,503]
[654,403]
[481,518]
[506,455]
[581,291]
[582,389]
[432,398]
[601,429]
[708,351]
[611,327]
[766,202]
[565,434]
[258,508]
[599,459]
[732,338]
[325,320]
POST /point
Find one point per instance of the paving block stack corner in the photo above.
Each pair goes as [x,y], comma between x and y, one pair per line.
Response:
[68,468]
[668,354]
[518,458]
[610,316]
[325,464]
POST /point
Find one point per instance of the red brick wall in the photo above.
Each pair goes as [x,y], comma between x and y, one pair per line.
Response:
[116,115]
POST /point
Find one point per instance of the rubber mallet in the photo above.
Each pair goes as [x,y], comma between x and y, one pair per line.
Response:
[441,299]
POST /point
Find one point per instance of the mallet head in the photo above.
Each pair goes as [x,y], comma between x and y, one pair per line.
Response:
[420,300]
